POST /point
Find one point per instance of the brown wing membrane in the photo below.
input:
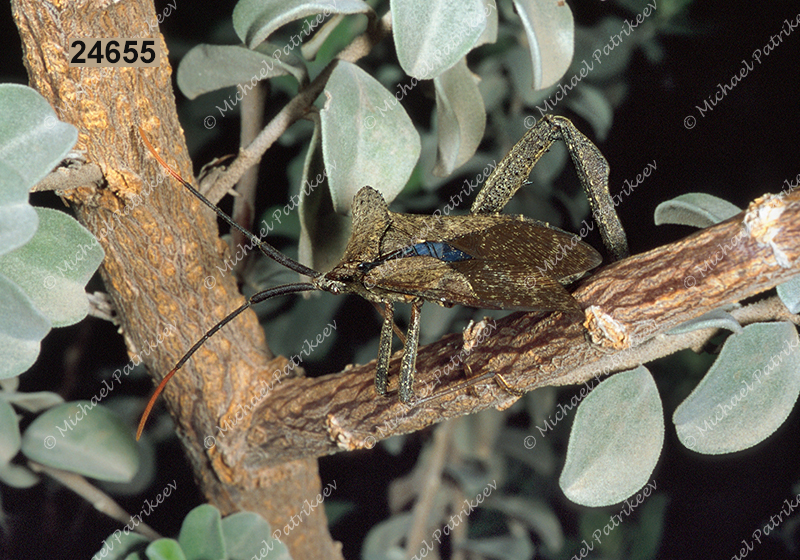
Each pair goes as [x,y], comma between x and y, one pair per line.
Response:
[479,283]
[540,250]
[535,292]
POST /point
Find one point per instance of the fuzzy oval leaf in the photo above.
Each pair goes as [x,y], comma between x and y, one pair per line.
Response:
[746,395]
[592,104]
[18,220]
[165,549]
[35,401]
[48,273]
[255,20]
[32,139]
[694,209]
[18,476]
[432,36]
[83,438]
[365,139]
[516,61]
[551,38]
[789,292]
[211,67]
[615,441]
[22,327]
[10,439]
[201,533]
[323,232]
[248,535]
[383,539]
[461,117]
[489,35]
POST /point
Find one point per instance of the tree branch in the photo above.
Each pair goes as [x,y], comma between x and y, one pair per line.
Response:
[630,307]
[66,178]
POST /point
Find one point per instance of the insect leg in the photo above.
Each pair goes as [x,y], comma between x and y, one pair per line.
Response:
[409,360]
[382,312]
[592,168]
[384,350]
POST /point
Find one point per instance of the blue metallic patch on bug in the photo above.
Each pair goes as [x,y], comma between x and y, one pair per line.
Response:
[436,249]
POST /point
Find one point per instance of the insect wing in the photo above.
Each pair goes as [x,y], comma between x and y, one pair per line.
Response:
[477,283]
[514,264]
[532,246]
[501,285]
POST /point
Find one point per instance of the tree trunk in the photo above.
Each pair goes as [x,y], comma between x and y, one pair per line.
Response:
[160,245]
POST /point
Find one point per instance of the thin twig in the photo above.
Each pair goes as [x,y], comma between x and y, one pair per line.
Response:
[421,516]
[295,110]
[101,306]
[244,204]
[101,501]
[66,178]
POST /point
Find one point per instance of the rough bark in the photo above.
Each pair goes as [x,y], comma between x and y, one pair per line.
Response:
[160,245]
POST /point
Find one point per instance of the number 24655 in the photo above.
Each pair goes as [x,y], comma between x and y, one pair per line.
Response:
[114,52]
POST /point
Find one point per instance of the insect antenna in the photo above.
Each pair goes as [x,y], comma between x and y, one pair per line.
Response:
[265,248]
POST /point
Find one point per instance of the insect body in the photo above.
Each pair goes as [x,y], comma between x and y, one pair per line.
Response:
[478,261]
[484,259]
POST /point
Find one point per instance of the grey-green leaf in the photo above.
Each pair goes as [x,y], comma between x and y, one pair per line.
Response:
[746,395]
[85,438]
[789,292]
[694,209]
[18,220]
[432,36]
[255,20]
[248,535]
[9,432]
[201,534]
[32,142]
[615,441]
[211,67]
[550,29]
[461,117]
[18,476]
[367,137]
[34,402]
[592,104]
[54,267]
[323,232]
[489,34]
[383,539]
[165,549]
[22,327]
